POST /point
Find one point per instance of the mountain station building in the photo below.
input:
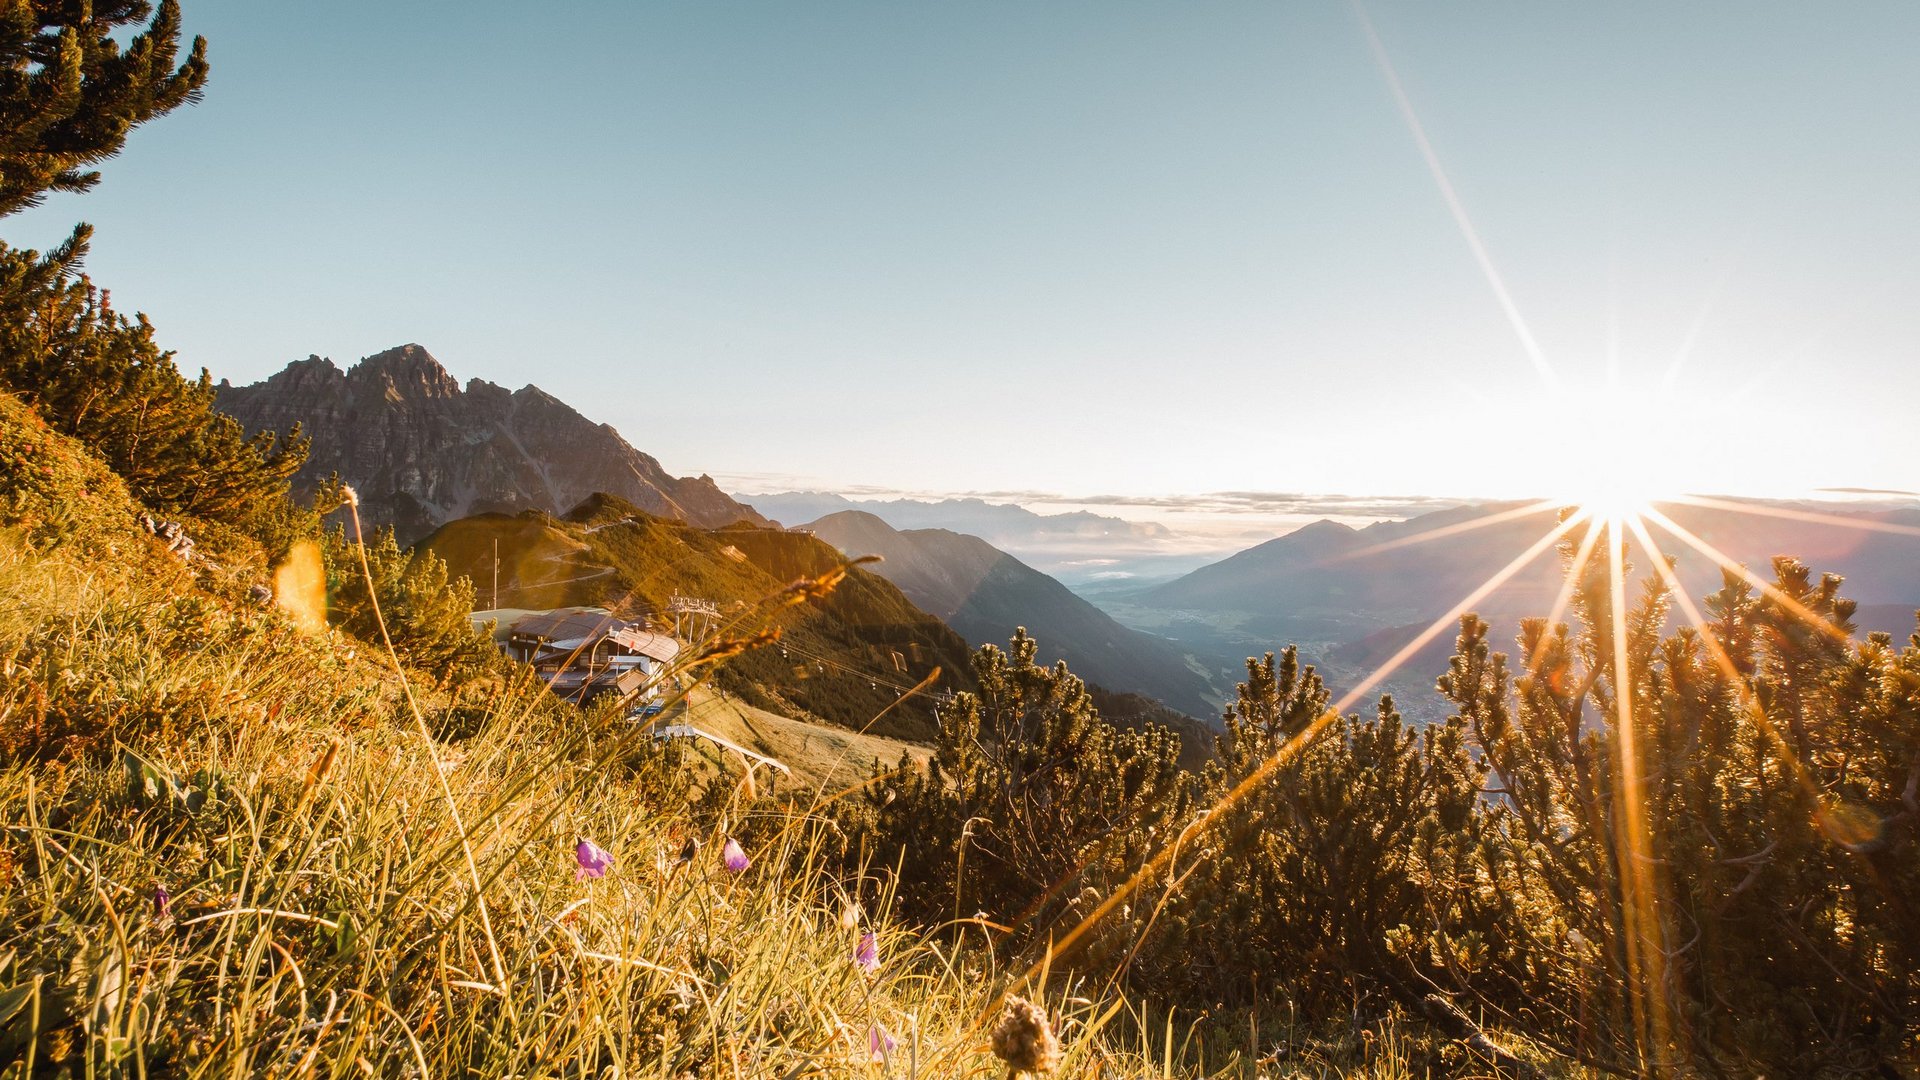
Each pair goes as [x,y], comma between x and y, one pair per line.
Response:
[584,652]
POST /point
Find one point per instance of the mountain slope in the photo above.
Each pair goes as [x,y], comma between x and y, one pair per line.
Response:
[422,450]
[984,593]
[842,659]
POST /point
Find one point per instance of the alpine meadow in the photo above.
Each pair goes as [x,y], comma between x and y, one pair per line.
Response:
[1341,539]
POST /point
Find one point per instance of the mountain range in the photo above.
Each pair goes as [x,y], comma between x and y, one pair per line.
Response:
[1351,597]
[422,450]
[1075,547]
[1000,524]
[985,593]
[1333,572]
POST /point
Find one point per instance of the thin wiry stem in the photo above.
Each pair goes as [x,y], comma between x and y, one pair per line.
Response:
[433,756]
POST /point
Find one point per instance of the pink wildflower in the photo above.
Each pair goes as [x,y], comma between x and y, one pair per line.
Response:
[879,1044]
[593,859]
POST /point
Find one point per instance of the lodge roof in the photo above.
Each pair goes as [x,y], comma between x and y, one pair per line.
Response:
[646,643]
[568,624]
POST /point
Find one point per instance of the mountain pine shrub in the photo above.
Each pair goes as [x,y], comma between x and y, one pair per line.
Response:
[425,611]
[1030,800]
[1312,887]
[73,83]
[101,378]
[1777,765]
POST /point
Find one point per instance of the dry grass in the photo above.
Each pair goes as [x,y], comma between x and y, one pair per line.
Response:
[319,918]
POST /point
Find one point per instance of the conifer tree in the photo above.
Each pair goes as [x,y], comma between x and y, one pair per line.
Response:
[1351,839]
[70,91]
[1776,767]
[100,377]
[423,607]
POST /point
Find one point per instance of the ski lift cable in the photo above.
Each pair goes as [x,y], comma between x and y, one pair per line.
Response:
[848,670]
[869,675]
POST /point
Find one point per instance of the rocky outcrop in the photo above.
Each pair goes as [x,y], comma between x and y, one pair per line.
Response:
[422,450]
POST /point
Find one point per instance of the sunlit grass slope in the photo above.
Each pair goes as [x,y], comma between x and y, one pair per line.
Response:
[842,660]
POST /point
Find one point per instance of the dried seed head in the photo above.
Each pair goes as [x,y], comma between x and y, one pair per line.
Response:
[1024,1039]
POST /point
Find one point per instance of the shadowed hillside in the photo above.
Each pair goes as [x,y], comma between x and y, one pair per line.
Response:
[985,593]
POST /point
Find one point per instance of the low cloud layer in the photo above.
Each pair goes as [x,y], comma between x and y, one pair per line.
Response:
[1266,504]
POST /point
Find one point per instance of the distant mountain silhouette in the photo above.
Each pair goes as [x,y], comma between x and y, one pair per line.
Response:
[1386,573]
[421,450]
[1000,524]
[984,593]
[1353,597]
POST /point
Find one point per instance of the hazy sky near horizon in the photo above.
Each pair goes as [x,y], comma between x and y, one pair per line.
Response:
[1074,247]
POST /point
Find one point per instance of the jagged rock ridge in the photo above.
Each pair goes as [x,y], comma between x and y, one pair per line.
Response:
[422,450]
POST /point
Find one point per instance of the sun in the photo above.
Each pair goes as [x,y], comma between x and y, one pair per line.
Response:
[1623,458]
[1610,494]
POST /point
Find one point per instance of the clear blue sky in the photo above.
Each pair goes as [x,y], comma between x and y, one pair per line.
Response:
[1077,247]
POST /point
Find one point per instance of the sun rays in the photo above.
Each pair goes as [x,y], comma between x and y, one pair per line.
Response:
[1624,525]
[1618,457]
[1535,355]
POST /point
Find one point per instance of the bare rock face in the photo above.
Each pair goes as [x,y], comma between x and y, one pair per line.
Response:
[421,450]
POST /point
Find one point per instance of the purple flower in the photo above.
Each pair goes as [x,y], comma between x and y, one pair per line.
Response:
[735,858]
[879,1043]
[867,953]
[162,899]
[593,859]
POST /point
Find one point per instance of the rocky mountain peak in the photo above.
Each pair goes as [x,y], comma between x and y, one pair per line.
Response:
[407,370]
[313,372]
[422,450]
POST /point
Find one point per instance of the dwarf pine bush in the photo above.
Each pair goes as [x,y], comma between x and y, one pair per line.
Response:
[1364,831]
[424,609]
[1778,769]
[100,377]
[1029,801]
